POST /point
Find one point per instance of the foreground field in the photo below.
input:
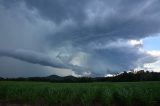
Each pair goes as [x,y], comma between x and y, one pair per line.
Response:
[79,94]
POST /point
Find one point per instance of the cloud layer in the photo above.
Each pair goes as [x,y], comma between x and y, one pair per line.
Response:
[32,57]
[87,36]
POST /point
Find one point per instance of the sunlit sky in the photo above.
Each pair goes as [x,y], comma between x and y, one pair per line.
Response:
[78,37]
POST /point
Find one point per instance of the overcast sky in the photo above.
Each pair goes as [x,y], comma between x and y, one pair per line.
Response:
[78,37]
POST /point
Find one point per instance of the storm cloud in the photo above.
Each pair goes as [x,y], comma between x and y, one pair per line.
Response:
[92,20]
[86,36]
[31,57]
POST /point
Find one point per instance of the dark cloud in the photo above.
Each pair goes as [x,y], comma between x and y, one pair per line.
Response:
[11,67]
[37,58]
[115,59]
[92,34]
[59,10]
[87,21]
[32,57]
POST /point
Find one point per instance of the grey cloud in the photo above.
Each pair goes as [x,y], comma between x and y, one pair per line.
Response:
[69,28]
[59,10]
[86,21]
[116,59]
[32,57]
[38,58]
[11,67]
[100,20]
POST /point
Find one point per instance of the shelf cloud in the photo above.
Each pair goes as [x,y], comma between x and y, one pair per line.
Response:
[86,36]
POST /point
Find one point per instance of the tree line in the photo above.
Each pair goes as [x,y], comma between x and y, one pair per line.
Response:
[122,77]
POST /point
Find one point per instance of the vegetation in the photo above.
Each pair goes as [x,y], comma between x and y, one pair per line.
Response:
[80,94]
[119,77]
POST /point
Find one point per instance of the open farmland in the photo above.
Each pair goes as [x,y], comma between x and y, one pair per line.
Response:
[79,94]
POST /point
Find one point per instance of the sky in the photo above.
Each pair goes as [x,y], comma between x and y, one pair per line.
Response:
[152,43]
[80,38]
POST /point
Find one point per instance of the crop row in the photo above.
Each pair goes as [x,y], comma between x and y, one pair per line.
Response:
[81,94]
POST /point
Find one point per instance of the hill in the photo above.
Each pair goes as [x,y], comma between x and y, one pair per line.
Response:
[123,77]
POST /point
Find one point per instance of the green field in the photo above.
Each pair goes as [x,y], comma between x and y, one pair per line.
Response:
[80,94]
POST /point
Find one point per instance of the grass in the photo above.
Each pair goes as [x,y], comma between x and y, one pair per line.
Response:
[82,94]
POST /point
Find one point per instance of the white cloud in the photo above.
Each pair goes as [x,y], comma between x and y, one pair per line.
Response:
[155,53]
[135,42]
